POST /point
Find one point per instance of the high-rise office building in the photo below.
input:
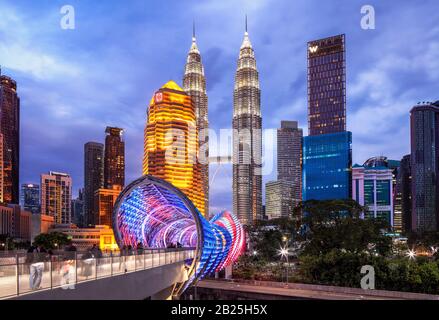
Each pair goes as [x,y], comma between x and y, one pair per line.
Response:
[279,197]
[289,157]
[104,201]
[405,186]
[247,137]
[56,196]
[10,130]
[30,198]
[327,85]
[93,177]
[1,168]
[327,151]
[114,159]
[171,142]
[395,166]
[424,128]
[194,83]
[372,186]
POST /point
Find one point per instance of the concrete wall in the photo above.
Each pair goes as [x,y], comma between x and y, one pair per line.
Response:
[137,285]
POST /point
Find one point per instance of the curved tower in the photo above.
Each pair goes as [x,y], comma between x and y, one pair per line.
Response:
[194,83]
[247,137]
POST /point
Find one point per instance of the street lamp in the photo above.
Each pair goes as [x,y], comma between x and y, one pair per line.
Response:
[254,253]
[284,252]
[411,254]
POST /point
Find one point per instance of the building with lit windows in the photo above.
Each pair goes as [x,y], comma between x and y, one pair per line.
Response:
[424,131]
[289,157]
[327,150]
[194,83]
[372,186]
[395,166]
[10,131]
[405,186]
[1,168]
[171,142]
[93,177]
[104,203]
[30,197]
[327,85]
[114,158]
[279,199]
[247,137]
[84,238]
[327,161]
[56,196]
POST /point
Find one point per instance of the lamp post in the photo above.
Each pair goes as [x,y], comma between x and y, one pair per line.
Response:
[284,252]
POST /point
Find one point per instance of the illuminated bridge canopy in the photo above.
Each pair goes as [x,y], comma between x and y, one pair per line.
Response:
[153,212]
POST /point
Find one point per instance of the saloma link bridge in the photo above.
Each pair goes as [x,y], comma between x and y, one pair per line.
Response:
[153,212]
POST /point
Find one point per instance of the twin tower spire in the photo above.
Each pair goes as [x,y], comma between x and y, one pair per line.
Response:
[247,180]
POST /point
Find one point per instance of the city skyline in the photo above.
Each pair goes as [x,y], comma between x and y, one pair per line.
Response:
[371,90]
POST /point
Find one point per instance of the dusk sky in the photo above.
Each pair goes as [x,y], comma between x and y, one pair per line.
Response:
[74,83]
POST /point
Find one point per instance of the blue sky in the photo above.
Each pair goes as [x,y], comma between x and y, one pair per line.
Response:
[73,83]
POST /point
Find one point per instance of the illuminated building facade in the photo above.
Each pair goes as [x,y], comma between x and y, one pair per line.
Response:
[405,187]
[30,197]
[372,186]
[84,238]
[327,85]
[56,196]
[171,142]
[279,199]
[424,128]
[327,150]
[247,137]
[104,203]
[114,159]
[194,83]
[155,213]
[10,130]
[93,177]
[1,168]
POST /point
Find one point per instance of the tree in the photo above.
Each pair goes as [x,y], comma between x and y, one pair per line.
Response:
[336,224]
[52,240]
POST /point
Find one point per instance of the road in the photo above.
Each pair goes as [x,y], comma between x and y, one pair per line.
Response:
[296,293]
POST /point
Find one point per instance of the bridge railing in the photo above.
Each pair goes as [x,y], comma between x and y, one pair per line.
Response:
[24,273]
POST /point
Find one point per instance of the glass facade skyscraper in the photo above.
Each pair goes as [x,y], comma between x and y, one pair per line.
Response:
[326,166]
[327,85]
[30,198]
[424,128]
[10,131]
[327,151]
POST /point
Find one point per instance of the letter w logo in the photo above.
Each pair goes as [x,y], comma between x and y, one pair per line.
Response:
[313,49]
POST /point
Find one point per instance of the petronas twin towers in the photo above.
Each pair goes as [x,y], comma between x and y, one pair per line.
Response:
[247,128]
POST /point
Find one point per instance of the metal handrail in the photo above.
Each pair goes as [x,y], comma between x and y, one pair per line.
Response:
[65,269]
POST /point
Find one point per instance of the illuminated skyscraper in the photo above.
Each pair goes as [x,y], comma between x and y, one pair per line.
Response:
[10,129]
[171,142]
[327,150]
[56,196]
[327,85]
[93,177]
[247,137]
[194,83]
[114,159]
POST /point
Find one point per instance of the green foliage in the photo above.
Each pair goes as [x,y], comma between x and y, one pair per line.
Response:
[335,224]
[343,269]
[51,240]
